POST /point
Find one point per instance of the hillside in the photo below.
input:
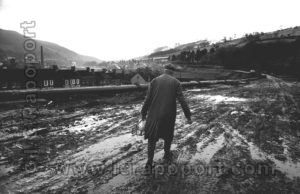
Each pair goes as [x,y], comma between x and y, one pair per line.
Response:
[274,52]
[11,45]
[288,33]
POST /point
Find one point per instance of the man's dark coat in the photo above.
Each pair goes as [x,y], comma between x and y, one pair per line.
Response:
[160,104]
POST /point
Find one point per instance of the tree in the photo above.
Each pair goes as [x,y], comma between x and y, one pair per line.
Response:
[192,56]
[55,67]
[198,55]
[204,43]
[173,58]
[182,56]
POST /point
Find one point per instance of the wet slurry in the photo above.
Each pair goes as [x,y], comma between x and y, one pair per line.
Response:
[243,139]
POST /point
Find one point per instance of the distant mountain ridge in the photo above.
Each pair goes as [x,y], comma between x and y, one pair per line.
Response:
[11,45]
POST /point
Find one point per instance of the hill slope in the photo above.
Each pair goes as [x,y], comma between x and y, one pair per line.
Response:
[275,52]
[11,45]
[288,33]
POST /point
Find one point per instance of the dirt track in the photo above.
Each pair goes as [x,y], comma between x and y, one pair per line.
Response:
[244,139]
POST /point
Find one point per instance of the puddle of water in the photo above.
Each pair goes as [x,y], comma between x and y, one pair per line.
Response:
[291,169]
[218,98]
[205,154]
[107,146]
[251,86]
[255,152]
[199,90]
[288,167]
[87,123]
[4,169]
[108,108]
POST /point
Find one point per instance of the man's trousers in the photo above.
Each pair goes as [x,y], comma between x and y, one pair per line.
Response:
[151,148]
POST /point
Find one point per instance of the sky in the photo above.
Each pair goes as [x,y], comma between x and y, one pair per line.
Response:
[124,29]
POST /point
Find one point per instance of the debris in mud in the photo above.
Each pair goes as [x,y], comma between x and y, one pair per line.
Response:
[126,147]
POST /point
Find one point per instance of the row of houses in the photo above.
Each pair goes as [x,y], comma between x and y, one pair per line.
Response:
[50,78]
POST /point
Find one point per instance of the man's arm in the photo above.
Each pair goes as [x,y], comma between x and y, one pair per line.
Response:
[183,103]
[147,102]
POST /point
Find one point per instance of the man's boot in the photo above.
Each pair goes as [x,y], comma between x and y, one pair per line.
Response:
[151,147]
[149,167]
[168,154]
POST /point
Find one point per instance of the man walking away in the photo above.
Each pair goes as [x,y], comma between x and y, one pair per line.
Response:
[160,106]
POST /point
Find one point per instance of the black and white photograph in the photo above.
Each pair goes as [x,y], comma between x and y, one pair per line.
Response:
[149,97]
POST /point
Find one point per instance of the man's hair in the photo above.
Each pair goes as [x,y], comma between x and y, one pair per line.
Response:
[170,66]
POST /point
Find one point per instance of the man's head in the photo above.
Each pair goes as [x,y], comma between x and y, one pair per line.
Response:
[169,69]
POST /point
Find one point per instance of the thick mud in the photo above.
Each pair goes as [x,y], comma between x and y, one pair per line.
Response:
[243,139]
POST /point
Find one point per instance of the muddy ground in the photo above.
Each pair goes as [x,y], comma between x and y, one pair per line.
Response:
[243,139]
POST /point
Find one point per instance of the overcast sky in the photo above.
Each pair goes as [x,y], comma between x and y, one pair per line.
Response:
[123,29]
